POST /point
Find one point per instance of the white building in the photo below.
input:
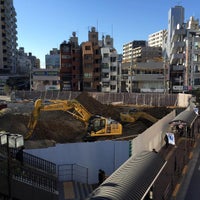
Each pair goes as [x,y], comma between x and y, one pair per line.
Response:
[185,57]
[45,79]
[109,69]
[156,39]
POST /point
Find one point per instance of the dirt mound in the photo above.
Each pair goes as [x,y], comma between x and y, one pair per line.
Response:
[61,127]
[97,108]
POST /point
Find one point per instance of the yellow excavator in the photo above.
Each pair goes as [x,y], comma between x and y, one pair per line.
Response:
[133,115]
[96,125]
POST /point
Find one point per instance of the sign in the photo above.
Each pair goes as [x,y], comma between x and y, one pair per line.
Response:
[171,138]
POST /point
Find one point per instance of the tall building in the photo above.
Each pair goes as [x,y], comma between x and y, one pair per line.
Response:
[70,64]
[91,62]
[176,16]
[8,37]
[185,57]
[109,66]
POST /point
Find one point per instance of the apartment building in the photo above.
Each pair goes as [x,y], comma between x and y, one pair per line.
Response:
[144,71]
[128,47]
[70,65]
[52,59]
[91,62]
[185,57]
[8,37]
[109,66]
[156,39]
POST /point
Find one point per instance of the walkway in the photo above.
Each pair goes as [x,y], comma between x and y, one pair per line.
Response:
[169,181]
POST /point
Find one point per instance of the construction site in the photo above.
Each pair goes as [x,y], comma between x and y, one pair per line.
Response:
[61,127]
[51,122]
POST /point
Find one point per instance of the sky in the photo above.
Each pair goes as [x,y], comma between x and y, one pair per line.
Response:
[44,24]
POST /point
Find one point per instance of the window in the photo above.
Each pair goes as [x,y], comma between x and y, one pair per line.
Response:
[105,55]
[105,75]
[87,47]
[197,81]
[87,75]
[112,59]
[113,68]
[104,65]
[113,78]
[113,87]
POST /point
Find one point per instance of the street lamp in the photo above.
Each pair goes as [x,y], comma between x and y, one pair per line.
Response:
[11,141]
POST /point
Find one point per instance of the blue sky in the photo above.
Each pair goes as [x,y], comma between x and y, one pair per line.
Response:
[45,24]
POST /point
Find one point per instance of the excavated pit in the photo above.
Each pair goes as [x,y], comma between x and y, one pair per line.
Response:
[61,127]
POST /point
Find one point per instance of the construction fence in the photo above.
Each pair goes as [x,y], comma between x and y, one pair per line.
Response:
[140,99]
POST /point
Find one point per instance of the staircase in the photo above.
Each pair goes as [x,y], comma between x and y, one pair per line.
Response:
[73,190]
[36,176]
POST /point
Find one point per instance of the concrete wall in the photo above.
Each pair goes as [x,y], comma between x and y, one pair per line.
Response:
[153,137]
[183,99]
[106,155]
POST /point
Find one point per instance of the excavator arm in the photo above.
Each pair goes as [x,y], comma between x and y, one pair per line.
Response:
[131,117]
[96,125]
[73,107]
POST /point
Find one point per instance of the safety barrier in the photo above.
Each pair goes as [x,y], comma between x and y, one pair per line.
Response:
[73,172]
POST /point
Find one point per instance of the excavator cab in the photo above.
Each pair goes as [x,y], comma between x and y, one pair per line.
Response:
[101,126]
[96,125]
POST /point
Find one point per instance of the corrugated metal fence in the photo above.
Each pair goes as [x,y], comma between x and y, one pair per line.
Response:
[150,99]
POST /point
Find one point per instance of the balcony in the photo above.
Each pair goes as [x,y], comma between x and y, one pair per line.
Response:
[178,68]
[148,77]
[177,33]
[176,46]
[176,57]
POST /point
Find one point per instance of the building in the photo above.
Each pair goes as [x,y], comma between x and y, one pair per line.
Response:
[70,65]
[109,66]
[8,37]
[52,59]
[176,16]
[184,61]
[156,39]
[128,47]
[45,79]
[142,70]
[91,62]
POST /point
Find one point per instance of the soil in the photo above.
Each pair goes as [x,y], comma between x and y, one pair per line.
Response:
[61,127]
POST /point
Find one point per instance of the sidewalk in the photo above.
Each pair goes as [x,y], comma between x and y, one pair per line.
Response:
[185,181]
[169,181]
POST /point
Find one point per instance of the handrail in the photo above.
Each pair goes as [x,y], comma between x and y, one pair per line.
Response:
[33,161]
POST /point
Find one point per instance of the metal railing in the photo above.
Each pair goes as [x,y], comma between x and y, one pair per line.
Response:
[32,161]
[35,178]
[29,174]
